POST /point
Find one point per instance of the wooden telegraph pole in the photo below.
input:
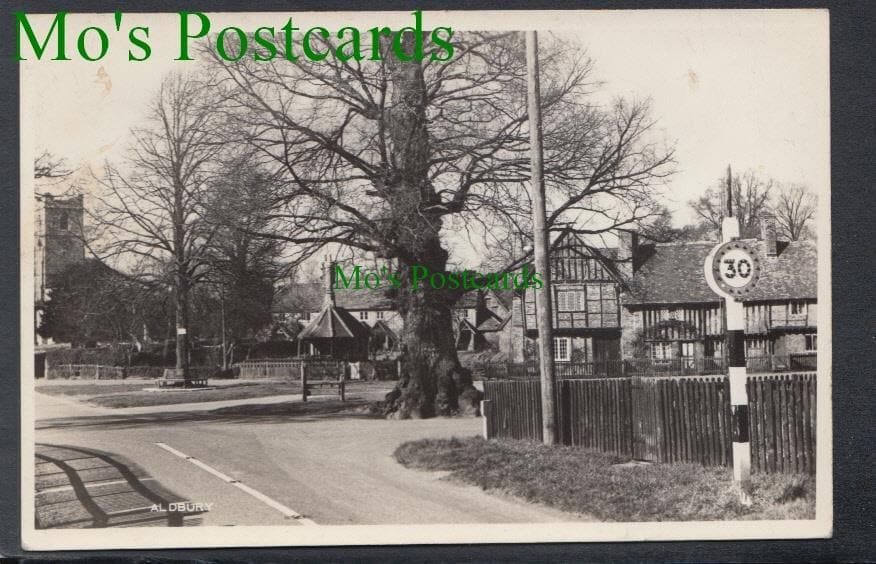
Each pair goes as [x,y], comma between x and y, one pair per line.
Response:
[732,269]
[541,240]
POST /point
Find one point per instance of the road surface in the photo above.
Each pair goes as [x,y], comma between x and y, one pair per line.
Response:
[257,466]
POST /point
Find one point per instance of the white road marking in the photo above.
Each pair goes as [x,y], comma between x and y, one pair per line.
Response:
[286,511]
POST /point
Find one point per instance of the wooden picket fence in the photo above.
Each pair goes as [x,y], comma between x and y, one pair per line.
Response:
[84,372]
[104,372]
[617,368]
[287,369]
[668,419]
[271,369]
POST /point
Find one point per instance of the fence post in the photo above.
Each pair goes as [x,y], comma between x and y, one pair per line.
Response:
[303,382]
[342,386]
[487,414]
[564,413]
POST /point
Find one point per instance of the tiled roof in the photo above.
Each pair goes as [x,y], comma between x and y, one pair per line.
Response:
[504,297]
[381,327]
[351,299]
[467,300]
[673,273]
[310,296]
[493,324]
[299,297]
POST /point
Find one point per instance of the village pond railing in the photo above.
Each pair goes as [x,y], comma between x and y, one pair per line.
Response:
[529,370]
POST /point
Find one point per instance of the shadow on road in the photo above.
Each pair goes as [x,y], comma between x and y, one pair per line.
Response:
[85,488]
[316,410]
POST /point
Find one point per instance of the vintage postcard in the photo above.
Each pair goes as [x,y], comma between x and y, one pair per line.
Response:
[355,278]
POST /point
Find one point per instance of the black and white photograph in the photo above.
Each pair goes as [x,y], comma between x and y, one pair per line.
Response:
[358,278]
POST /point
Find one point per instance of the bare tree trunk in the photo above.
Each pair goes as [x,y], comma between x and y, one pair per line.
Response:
[432,378]
[182,324]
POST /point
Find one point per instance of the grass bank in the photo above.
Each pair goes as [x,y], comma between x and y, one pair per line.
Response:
[608,487]
[65,388]
[119,395]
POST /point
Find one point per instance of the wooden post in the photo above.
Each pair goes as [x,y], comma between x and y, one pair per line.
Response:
[487,414]
[541,242]
[303,381]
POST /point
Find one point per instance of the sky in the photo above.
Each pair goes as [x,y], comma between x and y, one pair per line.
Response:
[745,88]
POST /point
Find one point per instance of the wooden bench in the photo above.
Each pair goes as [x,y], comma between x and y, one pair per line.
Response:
[307,385]
[172,379]
[182,383]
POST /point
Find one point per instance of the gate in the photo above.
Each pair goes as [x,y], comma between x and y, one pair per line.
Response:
[681,419]
[645,402]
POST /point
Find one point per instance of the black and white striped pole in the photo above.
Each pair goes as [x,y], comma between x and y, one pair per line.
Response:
[732,269]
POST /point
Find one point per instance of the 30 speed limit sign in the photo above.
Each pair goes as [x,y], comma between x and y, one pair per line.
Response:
[735,268]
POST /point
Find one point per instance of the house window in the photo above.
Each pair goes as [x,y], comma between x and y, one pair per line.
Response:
[798,308]
[562,350]
[661,350]
[687,350]
[63,222]
[379,315]
[713,348]
[602,307]
[363,315]
[570,300]
[758,347]
[811,342]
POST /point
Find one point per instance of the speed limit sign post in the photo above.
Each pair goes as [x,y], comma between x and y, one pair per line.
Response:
[732,269]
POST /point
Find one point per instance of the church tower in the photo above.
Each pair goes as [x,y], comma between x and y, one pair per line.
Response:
[58,242]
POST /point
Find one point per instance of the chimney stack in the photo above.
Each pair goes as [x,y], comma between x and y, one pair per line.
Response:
[628,243]
[329,269]
[768,233]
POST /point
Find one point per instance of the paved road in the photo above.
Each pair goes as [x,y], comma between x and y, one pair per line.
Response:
[327,469]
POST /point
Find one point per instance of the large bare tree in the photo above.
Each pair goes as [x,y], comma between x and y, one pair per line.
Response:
[150,221]
[377,156]
[794,207]
[46,165]
[751,195]
[244,267]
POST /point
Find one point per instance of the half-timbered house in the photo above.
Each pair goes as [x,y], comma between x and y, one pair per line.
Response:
[585,288]
[669,314]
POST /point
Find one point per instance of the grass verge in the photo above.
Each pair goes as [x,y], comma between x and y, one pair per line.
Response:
[56,388]
[603,486]
[122,395]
